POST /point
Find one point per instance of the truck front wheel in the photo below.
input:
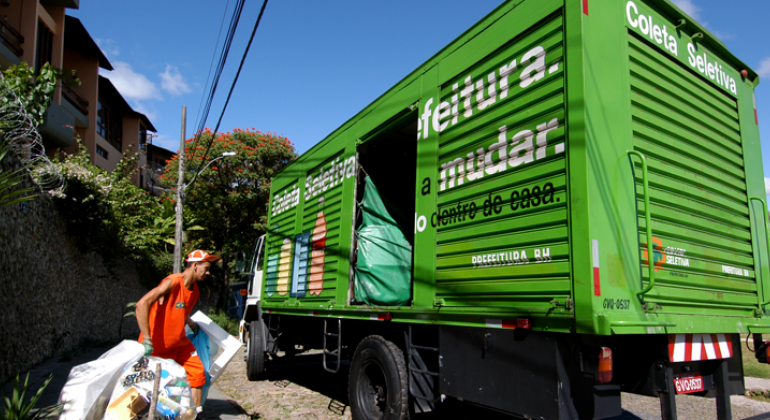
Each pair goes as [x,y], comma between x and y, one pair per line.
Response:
[378,387]
[255,362]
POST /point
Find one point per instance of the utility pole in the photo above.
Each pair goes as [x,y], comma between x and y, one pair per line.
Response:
[179,196]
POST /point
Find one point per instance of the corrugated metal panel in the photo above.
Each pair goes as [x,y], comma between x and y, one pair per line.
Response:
[502,204]
[689,132]
[321,219]
[280,243]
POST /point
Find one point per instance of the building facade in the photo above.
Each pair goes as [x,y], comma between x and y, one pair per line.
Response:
[39,31]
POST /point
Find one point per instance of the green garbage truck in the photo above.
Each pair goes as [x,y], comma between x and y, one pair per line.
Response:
[563,204]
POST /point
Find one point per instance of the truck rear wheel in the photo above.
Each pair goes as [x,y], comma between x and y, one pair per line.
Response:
[378,387]
[255,362]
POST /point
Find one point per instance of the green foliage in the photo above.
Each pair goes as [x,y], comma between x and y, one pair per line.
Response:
[105,211]
[130,313]
[230,197]
[8,180]
[225,322]
[751,367]
[18,408]
[33,90]
[34,95]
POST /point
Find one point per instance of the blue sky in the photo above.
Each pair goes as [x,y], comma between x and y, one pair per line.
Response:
[314,64]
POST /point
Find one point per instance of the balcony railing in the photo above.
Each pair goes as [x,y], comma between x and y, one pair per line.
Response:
[76,100]
[11,37]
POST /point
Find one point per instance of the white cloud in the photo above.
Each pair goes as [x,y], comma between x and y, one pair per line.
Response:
[764,69]
[108,47]
[173,82]
[767,186]
[130,84]
[688,7]
[167,142]
[141,108]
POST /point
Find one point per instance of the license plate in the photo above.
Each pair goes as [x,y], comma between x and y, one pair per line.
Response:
[688,384]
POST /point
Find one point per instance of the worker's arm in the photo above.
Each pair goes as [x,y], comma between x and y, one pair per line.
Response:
[144,304]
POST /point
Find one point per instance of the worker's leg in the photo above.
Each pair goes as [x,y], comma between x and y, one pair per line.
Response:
[197,396]
[188,358]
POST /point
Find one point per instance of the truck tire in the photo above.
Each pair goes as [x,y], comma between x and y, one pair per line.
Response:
[378,383]
[255,362]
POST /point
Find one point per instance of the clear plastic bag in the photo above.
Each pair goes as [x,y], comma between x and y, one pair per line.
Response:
[89,386]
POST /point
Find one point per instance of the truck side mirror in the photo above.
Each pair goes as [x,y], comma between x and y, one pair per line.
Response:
[240,260]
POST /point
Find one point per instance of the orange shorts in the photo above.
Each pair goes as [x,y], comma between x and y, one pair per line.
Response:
[187,357]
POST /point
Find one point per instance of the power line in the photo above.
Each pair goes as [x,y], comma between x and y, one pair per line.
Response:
[213,58]
[218,72]
[235,80]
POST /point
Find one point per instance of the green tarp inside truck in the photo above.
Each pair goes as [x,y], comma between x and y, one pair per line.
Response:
[384,267]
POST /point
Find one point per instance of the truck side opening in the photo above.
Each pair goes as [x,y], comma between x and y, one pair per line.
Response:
[384,217]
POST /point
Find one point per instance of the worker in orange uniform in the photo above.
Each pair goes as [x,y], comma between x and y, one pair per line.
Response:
[162,314]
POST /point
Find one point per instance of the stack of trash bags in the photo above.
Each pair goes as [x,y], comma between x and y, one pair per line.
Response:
[119,385]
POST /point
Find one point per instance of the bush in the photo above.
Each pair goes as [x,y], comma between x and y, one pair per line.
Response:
[105,211]
[16,407]
[224,321]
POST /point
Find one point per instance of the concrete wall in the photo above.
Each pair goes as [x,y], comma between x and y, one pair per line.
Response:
[53,297]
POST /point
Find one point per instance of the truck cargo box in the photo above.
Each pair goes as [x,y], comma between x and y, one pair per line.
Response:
[524,161]
[570,194]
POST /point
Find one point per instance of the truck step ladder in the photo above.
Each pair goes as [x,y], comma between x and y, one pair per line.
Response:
[336,352]
[422,381]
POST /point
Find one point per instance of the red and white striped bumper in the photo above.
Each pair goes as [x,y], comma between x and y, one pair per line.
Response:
[694,347]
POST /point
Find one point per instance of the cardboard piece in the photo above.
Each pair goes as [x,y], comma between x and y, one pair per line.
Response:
[127,405]
[221,338]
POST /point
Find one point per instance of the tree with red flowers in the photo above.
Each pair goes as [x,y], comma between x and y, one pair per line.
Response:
[230,197]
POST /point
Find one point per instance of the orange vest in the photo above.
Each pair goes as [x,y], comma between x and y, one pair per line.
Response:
[167,320]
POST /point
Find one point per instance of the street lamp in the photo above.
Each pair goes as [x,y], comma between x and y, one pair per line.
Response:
[179,208]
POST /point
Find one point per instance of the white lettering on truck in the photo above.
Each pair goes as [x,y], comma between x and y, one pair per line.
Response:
[661,35]
[526,146]
[499,259]
[488,90]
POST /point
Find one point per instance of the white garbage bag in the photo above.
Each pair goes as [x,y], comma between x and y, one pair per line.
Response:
[90,385]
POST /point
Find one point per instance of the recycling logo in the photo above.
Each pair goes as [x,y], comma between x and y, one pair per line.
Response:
[658,257]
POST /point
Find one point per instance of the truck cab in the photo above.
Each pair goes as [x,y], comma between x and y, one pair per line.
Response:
[253,277]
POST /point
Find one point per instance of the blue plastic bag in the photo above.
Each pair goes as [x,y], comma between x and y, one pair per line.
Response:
[203,347]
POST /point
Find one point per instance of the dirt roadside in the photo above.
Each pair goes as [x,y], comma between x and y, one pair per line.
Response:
[305,391]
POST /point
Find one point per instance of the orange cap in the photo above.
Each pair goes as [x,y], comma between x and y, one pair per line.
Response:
[200,255]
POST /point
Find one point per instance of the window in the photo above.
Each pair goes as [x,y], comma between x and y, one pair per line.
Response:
[109,125]
[142,138]
[101,119]
[101,152]
[44,46]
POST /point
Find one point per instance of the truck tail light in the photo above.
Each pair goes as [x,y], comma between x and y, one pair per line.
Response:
[523,324]
[605,365]
[596,363]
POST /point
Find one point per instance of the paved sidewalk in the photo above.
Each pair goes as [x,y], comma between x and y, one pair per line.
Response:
[756,384]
